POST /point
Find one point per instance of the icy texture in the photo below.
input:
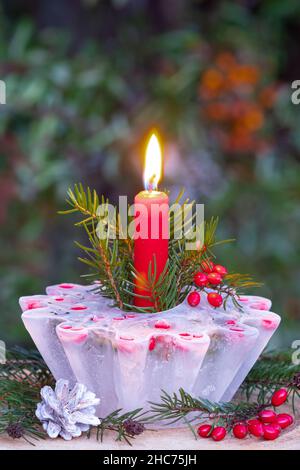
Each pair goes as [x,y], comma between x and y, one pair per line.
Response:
[127,359]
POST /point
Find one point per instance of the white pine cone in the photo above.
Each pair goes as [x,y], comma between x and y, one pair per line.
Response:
[67,413]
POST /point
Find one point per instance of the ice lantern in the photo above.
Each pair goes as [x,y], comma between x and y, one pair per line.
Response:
[127,359]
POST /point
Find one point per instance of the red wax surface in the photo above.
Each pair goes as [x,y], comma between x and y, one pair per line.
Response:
[151,239]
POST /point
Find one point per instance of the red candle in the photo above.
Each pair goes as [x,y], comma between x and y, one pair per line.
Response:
[151,227]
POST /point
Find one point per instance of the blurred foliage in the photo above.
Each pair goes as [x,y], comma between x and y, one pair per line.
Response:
[213,76]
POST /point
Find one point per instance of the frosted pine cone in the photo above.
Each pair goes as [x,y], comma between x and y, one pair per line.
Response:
[67,413]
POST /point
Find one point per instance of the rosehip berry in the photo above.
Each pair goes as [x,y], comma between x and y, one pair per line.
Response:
[279,397]
[214,299]
[267,416]
[275,426]
[218,268]
[218,433]
[270,432]
[240,430]
[200,279]
[255,427]
[204,430]
[193,299]
[284,420]
[207,266]
[214,278]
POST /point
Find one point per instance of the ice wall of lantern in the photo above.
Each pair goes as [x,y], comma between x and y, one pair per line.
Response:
[127,359]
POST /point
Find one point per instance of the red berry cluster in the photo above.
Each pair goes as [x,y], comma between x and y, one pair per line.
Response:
[211,275]
[267,425]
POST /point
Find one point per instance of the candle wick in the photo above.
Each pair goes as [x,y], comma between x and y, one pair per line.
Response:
[151,183]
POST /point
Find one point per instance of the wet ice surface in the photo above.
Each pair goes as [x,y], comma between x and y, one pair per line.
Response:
[127,359]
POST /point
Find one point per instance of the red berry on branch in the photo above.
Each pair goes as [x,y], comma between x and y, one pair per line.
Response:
[255,427]
[200,279]
[193,299]
[204,430]
[284,420]
[218,268]
[240,430]
[279,397]
[270,432]
[218,433]
[267,416]
[214,299]
[207,266]
[214,278]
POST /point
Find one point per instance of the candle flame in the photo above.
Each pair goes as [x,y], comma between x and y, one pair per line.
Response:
[152,172]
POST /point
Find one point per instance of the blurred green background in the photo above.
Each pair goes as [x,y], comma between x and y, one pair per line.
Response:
[87,79]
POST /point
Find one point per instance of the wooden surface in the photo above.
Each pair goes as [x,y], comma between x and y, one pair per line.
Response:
[173,439]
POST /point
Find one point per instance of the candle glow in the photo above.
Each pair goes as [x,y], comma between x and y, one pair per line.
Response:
[152,171]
